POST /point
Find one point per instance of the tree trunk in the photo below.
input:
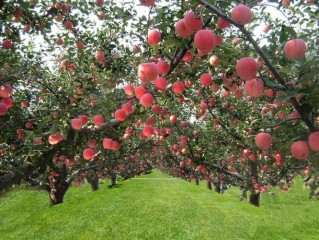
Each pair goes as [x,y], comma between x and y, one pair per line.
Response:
[57,191]
[209,185]
[217,185]
[254,198]
[113,179]
[197,181]
[93,180]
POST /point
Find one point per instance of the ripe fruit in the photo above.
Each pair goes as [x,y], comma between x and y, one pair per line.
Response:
[146,100]
[265,28]
[246,68]
[163,67]
[59,41]
[8,102]
[241,14]
[313,141]
[222,23]
[99,2]
[6,44]
[55,138]
[192,22]
[120,115]
[205,79]
[115,146]
[68,24]
[204,41]
[84,119]
[5,90]
[300,150]
[99,56]
[76,123]
[148,130]
[160,83]
[181,29]
[254,88]
[129,90]
[263,140]
[295,49]
[187,56]
[79,45]
[98,120]
[88,153]
[153,37]
[3,109]
[213,60]
[172,118]
[147,71]
[107,143]
[127,108]
[178,87]
[147,3]
[139,91]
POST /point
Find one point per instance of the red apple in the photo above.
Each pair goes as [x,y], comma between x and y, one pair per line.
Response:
[89,153]
[263,140]
[181,29]
[295,49]
[98,120]
[76,123]
[139,91]
[146,100]
[163,67]
[178,87]
[6,44]
[193,22]
[6,90]
[205,79]
[129,90]
[99,3]
[153,37]
[313,141]
[120,115]
[160,83]
[148,130]
[147,3]
[300,150]
[222,23]
[254,88]
[204,41]
[3,109]
[68,25]
[241,14]
[147,71]
[246,68]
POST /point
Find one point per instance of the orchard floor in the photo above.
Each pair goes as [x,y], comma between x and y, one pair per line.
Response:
[156,206]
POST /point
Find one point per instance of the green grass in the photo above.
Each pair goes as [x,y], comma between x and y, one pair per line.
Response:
[156,206]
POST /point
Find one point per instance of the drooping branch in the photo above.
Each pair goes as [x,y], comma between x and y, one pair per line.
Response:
[261,53]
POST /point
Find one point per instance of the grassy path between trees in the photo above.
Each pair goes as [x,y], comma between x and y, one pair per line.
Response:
[153,208]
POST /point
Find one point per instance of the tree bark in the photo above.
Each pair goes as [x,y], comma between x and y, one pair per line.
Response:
[93,180]
[57,189]
[197,181]
[254,197]
[113,179]
[217,185]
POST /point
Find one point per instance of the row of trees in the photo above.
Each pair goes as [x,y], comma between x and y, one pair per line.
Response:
[99,89]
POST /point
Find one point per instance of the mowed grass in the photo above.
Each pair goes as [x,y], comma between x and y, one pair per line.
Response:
[156,206]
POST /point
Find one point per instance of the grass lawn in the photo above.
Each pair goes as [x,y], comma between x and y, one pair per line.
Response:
[156,206]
